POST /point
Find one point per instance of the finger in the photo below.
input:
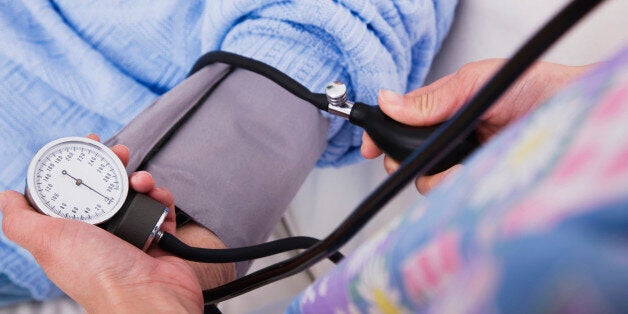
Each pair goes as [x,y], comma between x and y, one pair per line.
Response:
[39,234]
[142,181]
[437,84]
[69,243]
[428,105]
[390,165]
[369,150]
[425,184]
[169,224]
[22,225]
[12,202]
[93,137]
[165,197]
[122,152]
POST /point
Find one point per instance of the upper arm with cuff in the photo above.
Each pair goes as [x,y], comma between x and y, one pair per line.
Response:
[369,45]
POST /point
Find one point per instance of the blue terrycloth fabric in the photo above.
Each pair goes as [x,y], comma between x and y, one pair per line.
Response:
[76,67]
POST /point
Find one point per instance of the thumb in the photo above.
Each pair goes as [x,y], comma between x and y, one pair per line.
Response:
[427,105]
[62,246]
[33,231]
[19,221]
[50,240]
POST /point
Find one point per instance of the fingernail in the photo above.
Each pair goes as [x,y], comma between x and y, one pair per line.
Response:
[390,97]
[140,173]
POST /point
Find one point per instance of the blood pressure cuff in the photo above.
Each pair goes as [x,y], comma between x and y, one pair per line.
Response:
[232,145]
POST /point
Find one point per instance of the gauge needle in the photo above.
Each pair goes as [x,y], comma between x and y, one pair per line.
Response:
[80,182]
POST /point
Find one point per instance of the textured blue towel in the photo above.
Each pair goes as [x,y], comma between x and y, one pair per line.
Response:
[75,67]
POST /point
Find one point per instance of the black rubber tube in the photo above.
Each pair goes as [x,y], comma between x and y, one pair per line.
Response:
[437,145]
[294,87]
[171,244]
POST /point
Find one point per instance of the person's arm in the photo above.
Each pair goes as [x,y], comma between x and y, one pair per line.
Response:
[440,100]
[102,272]
[233,165]
[209,274]
[99,271]
[369,45]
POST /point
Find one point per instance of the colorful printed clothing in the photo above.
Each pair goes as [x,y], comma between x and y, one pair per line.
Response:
[537,221]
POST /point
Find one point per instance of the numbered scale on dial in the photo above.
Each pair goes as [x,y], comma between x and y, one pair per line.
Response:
[82,179]
[77,178]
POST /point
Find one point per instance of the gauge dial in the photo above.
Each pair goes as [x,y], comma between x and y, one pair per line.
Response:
[77,178]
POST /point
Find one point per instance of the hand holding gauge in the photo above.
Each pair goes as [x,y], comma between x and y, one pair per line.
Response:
[94,267]
[81,179]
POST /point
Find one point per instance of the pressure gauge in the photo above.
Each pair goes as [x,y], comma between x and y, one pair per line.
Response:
[81,179]
[77,178]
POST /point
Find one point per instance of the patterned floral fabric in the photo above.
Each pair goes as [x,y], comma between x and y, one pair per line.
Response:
[537,221]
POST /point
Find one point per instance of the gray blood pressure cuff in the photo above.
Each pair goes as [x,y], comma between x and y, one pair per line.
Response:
[233,142]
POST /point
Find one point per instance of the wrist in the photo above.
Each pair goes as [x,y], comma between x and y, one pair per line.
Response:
[210,275]
[153,300]
[142,285]
[148,297]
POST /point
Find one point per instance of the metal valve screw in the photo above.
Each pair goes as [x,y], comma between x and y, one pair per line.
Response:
[336,93]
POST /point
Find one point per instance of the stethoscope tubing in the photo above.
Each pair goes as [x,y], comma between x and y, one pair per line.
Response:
[429,153]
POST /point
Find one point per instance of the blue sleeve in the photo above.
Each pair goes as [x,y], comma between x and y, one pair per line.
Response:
[370,45]
[73,67]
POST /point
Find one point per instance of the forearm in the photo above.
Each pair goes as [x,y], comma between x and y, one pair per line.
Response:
[209,275]
[235,169]
[238,160]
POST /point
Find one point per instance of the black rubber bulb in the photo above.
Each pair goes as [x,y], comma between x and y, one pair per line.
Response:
[398,140]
